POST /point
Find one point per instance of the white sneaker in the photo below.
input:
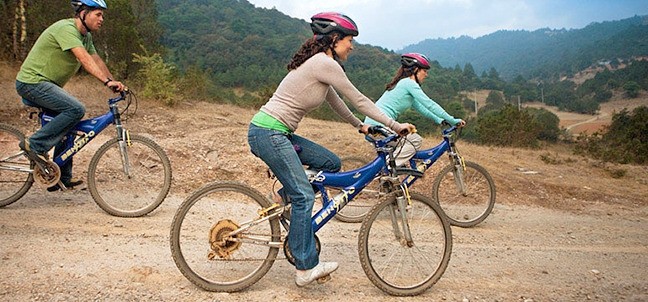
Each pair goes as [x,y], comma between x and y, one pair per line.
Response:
[303,278]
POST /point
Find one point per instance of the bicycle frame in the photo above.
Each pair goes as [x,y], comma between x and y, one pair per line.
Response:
[424,159]
[351,183]
[87,130]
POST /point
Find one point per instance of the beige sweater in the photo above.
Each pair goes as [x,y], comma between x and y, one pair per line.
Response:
[317,80]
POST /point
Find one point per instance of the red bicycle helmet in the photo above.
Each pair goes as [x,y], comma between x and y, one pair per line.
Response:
[325,23]
[415,59]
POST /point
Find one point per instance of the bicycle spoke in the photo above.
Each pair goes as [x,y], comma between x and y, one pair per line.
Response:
[16,176]
[399,267]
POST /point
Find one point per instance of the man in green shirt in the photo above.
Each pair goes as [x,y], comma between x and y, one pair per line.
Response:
[56,56]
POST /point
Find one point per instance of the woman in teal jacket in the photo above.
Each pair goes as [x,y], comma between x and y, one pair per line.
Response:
[404,92]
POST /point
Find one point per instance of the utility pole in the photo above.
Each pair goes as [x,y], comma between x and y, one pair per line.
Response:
[519,108]
[475,103]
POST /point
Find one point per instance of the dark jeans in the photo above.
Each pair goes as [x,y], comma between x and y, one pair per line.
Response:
[52,97]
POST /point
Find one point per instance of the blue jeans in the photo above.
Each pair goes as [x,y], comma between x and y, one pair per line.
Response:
[52,97]
[277,149]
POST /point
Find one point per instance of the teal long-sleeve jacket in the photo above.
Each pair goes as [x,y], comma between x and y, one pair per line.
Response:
[408,94]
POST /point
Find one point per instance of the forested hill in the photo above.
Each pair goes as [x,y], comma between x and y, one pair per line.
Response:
[246,46]
[544,52]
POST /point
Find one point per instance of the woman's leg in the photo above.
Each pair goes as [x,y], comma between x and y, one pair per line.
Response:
[407,148]
[315,156]
[277,151]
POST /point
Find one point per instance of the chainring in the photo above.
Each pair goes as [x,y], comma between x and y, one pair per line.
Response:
[219,239]
[49,178]
[289,255]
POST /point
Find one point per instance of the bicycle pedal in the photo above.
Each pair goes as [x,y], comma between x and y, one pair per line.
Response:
[324,279]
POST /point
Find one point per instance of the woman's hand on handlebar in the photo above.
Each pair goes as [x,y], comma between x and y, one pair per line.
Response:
[364,128]
[461,123]
[405,129]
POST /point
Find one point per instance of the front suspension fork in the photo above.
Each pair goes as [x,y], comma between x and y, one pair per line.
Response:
[124,142]
[398,213]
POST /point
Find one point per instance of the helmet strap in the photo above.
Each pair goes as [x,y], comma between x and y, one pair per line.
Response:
[414,71]
[332,48]
[82,18]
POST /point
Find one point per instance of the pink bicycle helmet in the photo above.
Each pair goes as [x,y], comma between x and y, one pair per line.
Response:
[328,22]
[415,60]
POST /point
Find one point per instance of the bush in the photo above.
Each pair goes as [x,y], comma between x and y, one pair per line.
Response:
[508,127]
[157,78]
[624,141]
[631,89]
[547,122]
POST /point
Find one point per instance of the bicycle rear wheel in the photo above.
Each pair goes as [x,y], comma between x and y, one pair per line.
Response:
[398,267]
[132,194]
[356,210]
[15,176]
[204,251]
[467,198]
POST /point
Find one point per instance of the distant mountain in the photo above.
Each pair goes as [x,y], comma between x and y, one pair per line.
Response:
[543,52]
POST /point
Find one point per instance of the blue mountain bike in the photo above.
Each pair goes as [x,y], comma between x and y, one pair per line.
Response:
[226,236]
[464,189]
[128,176]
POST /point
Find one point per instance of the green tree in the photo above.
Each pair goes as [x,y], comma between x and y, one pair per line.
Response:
[125,33]
[494,101]
[508,127]
[624,141]
[157,78]
[548,122]
[631,89]
[469,79]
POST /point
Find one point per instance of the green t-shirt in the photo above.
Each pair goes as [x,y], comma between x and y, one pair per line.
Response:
[51,58]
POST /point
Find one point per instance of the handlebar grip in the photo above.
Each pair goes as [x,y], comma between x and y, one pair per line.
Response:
[376,129]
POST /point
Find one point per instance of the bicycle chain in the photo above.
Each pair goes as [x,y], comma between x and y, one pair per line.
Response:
[243,260]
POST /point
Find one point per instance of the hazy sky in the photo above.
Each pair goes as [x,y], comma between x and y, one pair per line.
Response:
[394,24]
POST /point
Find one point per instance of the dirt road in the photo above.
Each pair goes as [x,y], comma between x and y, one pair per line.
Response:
[570,232]
[62,247]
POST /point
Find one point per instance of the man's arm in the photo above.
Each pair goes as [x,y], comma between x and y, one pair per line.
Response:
[95,66]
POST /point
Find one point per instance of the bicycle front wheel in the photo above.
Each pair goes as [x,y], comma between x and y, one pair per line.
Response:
[16,177]
[467,196]
[131,183]
[357,209]
[399,266]
[202,245]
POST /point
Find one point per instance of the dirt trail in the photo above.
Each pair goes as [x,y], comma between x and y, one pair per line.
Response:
[569,232]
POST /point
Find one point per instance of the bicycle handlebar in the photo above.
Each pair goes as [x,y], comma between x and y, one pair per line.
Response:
[389,135]
[381,130]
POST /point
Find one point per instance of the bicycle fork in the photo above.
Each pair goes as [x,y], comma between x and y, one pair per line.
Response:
[124,142]
[398,213]
[458,174]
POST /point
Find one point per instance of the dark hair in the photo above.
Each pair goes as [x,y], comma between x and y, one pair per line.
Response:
[401,73]
[311,47]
